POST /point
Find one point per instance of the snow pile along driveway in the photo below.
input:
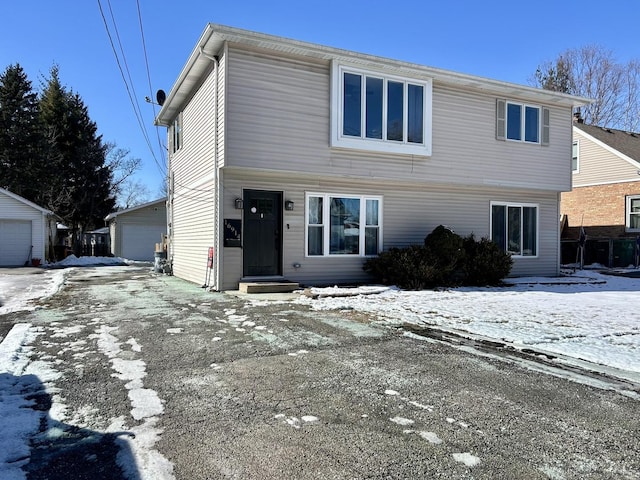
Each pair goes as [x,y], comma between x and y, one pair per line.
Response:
[590,316]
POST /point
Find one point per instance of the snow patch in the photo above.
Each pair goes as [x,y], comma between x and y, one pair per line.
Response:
[466,458]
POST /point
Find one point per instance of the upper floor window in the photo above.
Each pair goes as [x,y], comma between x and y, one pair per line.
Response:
[520,122]
[633,213]
[371,111]
[575,157]
[514,227]
[175,134]
[343,225]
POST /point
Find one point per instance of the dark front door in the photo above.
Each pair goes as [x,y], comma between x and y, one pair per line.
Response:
[262,239]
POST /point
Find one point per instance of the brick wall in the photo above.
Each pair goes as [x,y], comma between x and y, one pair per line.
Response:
[600,209]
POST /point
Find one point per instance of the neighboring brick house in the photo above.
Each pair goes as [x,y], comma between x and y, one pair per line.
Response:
[605,198]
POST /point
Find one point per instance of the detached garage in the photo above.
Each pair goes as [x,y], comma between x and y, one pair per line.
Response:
[135,231]
[26,230]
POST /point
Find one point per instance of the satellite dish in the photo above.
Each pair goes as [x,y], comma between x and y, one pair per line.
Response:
[161,97]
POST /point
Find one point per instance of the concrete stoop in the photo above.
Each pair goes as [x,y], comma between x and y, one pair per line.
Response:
[268,287]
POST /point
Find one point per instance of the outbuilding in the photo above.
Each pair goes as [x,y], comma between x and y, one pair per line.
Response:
[27,231]
[135,231]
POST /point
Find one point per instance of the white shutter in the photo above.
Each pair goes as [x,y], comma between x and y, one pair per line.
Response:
[501,119]
[545,126]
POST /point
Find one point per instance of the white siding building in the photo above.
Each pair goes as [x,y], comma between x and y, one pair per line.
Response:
[27,231]
[298,161]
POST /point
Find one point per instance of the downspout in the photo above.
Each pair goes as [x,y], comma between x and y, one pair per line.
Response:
[216,180]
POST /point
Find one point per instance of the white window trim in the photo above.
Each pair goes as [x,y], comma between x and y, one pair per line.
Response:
[382,145]
[577,144]
[516,204]
[177,134]
[326,221]
[627,213]
[523,110]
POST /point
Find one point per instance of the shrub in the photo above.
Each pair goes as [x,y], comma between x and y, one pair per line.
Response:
[411,268]
[448,249]
[486,263]
[445,259]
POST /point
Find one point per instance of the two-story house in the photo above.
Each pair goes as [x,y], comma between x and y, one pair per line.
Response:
[295,160]
[605,199]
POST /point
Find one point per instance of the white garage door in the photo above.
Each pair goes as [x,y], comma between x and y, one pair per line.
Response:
[15,242]
[139,241]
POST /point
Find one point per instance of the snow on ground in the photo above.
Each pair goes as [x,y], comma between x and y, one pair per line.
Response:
[18,291]
[22,379]
[588,315]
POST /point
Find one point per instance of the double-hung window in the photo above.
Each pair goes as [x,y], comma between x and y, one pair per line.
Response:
[575,157]
[343,225]
[633,213]
[372,111]
[520,122]
[176,134]
[514,227]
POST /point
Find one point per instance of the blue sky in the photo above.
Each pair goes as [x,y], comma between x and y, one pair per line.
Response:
[501,39]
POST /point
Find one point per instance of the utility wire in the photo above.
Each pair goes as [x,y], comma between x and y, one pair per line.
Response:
[146,61]
[131,95]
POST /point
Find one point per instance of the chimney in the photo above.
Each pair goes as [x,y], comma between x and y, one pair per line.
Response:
[577,116]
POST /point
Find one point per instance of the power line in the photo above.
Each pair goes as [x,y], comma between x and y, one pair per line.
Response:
[134,103]
[146,61]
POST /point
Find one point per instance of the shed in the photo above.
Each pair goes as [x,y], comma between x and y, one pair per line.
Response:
[135,231]
[27,231]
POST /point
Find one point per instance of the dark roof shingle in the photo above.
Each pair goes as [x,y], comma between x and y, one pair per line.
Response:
[627,143]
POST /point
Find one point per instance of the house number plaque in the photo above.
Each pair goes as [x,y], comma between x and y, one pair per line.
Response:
[232,232]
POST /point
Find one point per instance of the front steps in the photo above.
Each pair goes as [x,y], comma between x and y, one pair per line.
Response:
[268,287]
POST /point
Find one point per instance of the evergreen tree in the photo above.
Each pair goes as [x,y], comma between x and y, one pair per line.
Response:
[21,140]
[80,186]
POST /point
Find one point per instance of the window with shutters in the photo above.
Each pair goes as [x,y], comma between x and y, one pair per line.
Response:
[521,122]
[380,112]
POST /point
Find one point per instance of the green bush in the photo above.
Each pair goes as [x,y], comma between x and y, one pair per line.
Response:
[446,259]
[447,248]
[487,263]
[411,268]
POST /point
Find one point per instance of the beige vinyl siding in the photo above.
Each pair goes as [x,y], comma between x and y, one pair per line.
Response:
[192,200]
[597,165]
[154,217]
[277,113]
[12,209]
[278,119]
[410,212]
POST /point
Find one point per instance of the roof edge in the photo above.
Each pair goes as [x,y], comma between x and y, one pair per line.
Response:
[137,207]
[29,203]
[215,35]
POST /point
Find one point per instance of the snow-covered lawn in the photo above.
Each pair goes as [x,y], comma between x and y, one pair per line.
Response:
[587,316]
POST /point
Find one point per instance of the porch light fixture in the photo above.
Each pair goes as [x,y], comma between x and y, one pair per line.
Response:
[239,204]
[288,205]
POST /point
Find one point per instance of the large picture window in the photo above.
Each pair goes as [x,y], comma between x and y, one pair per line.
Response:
[378,112]
[514,227]
[633,213]
[343,225]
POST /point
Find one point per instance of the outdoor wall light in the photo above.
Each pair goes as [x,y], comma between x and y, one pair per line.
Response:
[288,205]
[239,203]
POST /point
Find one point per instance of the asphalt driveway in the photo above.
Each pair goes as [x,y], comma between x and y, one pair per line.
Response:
[153,377]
